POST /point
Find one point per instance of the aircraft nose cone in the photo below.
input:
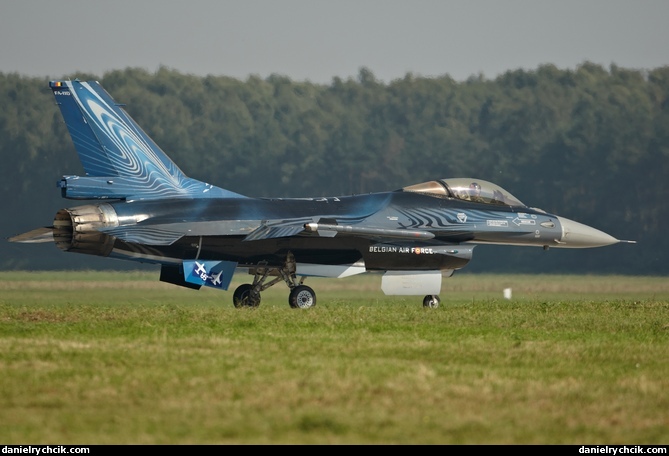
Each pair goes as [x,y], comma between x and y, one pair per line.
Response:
[578,235]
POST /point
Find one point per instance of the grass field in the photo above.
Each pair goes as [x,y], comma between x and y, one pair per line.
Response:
[120,358]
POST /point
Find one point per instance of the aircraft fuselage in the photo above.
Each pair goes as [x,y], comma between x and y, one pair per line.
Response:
[167,231]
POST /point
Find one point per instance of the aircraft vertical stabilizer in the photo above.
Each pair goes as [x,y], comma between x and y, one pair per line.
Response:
[120,159]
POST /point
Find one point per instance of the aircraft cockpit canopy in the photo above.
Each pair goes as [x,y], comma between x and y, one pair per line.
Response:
[467,189]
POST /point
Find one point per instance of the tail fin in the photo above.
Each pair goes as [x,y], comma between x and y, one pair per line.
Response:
[120,159]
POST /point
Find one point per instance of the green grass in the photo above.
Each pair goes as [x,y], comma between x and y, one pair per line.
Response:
[120,358]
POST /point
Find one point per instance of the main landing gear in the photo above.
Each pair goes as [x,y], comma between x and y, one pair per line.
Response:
[300,297]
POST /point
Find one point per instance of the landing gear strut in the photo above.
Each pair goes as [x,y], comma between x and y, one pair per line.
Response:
[301,296]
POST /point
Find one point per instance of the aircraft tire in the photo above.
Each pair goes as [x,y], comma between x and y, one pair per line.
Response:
[302,297]
[431,301]
[242,296]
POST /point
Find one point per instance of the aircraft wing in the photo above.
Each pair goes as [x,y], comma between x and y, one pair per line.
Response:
[170,233]
[331,229]
[277,230]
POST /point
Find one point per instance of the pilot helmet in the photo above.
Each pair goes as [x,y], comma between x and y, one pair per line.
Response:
[476,187]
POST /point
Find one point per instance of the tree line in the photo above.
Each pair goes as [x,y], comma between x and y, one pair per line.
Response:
[590,144]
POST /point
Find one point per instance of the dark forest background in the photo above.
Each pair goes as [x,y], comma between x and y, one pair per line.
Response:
[590,144]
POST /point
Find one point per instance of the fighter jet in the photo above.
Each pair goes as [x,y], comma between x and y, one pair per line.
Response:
[146,209]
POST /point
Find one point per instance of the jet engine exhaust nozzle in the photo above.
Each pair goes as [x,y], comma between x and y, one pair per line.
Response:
[76,229]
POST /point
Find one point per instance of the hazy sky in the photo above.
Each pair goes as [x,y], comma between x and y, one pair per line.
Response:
[317,40]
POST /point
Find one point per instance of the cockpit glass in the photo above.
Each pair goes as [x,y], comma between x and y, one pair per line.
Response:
[435,188]
[467,189]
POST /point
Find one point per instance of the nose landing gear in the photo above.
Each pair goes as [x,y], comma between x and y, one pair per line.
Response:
[431,301]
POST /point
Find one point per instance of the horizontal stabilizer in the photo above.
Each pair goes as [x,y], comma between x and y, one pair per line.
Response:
[143,235]
[38,235]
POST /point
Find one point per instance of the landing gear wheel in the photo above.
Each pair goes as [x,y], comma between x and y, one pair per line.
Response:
[242,297]
[302,297]
[431,301]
